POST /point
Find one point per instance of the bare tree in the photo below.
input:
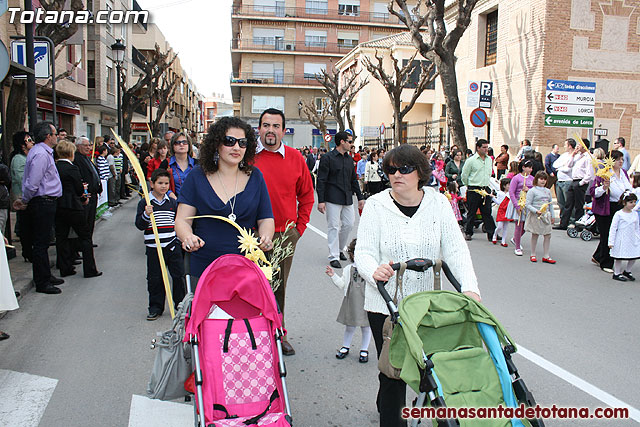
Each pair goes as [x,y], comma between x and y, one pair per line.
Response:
[154,68]
[16,112]
[433,41]
[396,82]
[317,118]
[341,95]
[162,94]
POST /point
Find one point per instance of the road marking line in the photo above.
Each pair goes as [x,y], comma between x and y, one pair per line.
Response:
[315,230]
[23,397]
[147,412]
[583,385]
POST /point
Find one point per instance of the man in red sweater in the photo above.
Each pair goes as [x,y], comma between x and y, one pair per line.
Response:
[290,190]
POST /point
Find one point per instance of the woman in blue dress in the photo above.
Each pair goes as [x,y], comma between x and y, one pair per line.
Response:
[225,183]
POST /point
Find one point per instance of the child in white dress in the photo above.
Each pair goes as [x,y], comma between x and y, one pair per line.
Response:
[352,312]
[624,238]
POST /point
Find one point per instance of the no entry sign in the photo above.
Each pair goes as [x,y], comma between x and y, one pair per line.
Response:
[327,137]
[478,117]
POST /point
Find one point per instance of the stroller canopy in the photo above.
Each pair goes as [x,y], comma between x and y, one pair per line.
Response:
[434,322]
[236,285]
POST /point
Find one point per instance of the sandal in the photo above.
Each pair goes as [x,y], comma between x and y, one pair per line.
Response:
[364,356]
[342,353]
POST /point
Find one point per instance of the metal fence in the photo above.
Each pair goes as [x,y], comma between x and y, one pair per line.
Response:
[433,133]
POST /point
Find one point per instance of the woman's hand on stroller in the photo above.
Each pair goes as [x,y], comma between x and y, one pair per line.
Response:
[383,273]
[192,243]
[473,296]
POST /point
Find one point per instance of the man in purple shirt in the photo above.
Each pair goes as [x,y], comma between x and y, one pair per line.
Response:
[41,188]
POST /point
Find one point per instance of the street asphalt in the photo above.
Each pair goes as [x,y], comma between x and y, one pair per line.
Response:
[88,356]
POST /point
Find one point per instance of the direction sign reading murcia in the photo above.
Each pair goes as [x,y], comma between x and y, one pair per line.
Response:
[569,104]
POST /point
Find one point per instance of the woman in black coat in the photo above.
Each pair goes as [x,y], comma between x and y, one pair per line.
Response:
[70,215]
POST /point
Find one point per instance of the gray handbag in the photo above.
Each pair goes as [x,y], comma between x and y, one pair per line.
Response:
[172,365]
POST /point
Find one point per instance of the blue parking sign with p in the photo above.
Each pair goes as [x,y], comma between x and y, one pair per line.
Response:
[40,57]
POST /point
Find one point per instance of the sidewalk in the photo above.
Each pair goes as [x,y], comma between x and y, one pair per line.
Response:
[21,272]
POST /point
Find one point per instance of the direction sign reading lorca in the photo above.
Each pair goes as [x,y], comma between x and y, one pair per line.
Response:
[569,104]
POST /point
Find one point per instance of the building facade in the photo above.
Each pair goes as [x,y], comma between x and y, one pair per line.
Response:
[279,46]
[518,45]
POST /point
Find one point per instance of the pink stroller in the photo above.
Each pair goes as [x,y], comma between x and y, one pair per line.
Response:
[235,331]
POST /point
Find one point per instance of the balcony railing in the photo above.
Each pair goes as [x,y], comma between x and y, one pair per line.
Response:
[314,13]
[272,43]
[274,79]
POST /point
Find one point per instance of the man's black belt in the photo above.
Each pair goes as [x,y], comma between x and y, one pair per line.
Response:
[475,187]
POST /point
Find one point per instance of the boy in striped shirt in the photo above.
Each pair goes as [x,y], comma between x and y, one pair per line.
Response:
[164,210]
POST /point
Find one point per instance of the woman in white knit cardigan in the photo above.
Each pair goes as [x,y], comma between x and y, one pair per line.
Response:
[407,221]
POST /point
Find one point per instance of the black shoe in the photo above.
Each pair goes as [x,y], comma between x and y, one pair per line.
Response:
[3,336]
[629,276]
[76,262]
[49,289]
[65,274]
[620,278]
[153,315]
[364,356]
[95,274]
[335,264]
[559,227]
[55,281]
[468,237]
[343,257]
[342,353]
[287,349]
[95,246]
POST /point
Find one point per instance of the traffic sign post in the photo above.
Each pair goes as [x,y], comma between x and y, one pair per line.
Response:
[478,118]
[41,57]
[569,104]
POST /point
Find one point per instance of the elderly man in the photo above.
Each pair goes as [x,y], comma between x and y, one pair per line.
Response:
[290,190]
[41,188]
[89,173]
[167,137]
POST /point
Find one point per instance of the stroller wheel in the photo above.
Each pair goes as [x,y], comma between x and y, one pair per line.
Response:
[586,235]
[484,228]
[572,232]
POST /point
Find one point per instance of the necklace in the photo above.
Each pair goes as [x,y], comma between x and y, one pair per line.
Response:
[231,216]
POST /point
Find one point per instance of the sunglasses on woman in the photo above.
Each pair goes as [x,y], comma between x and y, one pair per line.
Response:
[404,170]
[184,142]
[230,141]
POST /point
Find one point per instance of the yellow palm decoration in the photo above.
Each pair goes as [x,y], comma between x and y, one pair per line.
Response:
[483,193]
[604,169]
[248,245]
[543,209]
[448,195]
[133,160]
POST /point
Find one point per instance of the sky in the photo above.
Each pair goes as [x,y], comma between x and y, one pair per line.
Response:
[200,32]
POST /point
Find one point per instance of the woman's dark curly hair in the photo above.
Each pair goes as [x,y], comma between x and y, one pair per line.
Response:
[215,136]
[409,155]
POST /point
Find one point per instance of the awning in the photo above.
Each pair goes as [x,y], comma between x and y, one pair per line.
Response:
[48,106]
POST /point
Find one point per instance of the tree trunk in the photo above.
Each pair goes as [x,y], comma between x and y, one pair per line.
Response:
[397,125]
[447,68]
[15,115]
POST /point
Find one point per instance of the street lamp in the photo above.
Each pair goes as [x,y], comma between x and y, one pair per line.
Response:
[118,49]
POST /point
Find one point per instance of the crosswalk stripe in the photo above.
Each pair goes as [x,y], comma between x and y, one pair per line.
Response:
[147,412]
[23,397]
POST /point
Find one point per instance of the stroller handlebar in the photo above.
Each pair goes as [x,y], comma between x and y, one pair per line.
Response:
[415,264]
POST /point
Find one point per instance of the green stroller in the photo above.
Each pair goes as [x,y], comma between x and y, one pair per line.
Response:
[452,350]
